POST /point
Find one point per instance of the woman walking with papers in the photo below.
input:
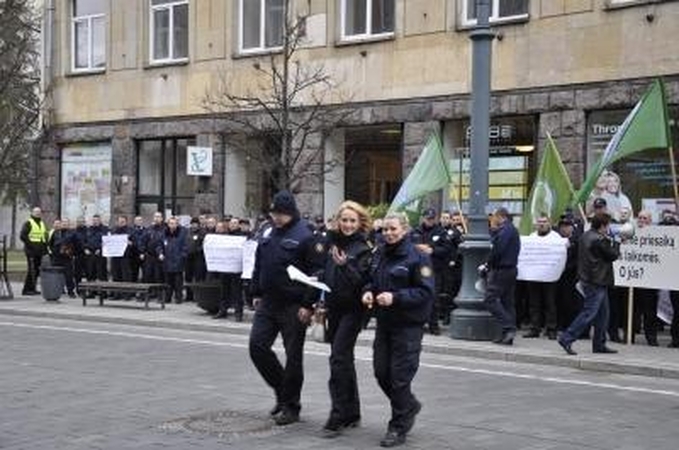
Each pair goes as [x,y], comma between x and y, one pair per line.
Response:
[346,271]
[402,292]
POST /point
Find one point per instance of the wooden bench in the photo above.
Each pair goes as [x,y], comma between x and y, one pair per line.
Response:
[145,290]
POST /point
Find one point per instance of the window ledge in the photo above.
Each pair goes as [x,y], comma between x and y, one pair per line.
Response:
[514,20]
[85,72]
[365,39]
[612,6]
[166,63]
[241,54]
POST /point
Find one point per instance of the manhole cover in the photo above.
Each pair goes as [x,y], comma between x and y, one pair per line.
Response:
[223,424]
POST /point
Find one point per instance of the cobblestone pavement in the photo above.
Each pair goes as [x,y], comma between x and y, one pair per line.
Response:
[75,385]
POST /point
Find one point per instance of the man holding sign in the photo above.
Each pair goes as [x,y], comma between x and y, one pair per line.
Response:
[282,305]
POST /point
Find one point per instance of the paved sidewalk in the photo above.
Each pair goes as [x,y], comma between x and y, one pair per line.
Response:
[636,359]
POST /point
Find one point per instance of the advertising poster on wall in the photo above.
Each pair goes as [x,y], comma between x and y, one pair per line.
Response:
[86,181]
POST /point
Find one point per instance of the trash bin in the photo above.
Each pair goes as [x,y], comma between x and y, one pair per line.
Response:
[52,282]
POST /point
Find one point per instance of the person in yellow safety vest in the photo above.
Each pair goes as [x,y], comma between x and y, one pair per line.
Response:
[34,236]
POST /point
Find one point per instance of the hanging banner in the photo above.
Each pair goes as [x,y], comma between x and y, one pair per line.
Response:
[199,161]
[650,259]
[542,258]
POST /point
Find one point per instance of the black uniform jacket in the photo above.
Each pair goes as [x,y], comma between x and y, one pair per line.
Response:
[407,273]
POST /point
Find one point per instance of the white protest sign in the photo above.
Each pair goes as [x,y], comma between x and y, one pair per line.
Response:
[114,245]
[223,253]
[650,259]
[542,258]
[249,251]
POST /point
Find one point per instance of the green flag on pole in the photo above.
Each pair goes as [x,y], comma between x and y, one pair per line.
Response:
[552,190]
[429,174]
[646,127]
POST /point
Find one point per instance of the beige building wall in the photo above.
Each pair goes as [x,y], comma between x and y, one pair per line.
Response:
[563,42]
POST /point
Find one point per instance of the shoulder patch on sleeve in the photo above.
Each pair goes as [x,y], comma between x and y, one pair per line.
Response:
[319,248]
[425,271]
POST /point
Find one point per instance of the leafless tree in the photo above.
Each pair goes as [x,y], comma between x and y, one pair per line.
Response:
[19,94]
[288,110]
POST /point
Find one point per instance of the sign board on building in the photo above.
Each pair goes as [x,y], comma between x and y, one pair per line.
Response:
[199,161]
[86,181]
[650,259]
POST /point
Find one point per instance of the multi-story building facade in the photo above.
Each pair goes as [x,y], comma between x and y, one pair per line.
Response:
[126,80]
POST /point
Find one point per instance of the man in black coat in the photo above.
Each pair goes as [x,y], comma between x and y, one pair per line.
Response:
[282,305]
[95,263]
[501,274]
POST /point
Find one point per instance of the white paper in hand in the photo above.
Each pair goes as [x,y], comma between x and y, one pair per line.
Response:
[297,275]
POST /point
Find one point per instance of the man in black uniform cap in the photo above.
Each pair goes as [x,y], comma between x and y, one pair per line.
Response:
[282,305]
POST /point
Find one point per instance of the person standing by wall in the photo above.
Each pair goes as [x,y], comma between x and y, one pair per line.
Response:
[34,236]
[501,270]
[95,263]
[61,244]
[175,248]
[402,293]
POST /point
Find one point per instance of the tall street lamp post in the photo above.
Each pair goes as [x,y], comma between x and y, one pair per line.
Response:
[471,320]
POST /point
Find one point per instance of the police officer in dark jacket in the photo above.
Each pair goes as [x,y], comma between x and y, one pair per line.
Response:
[432,239]
[152,247]
[346,271]
[282,305]
[121,267]
[175,248]
[95,263]
[62,244]
[402,293]
[452,223]
[136,248]
[501,274]
[195,260]
[79,269]
[596,253]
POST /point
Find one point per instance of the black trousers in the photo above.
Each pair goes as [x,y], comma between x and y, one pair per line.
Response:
[617,297]
[674,330]
[121,269]
[343,330]
[95,268]
[499,297]
[396,359]
[32,272]
[645,311]
[542,305]
[286,381]
[568,301]
[232,293]
[194,270]
[79,271]
[153,270]
[443,284]
[175,282]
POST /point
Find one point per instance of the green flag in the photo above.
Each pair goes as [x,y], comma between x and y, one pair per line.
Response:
[552,190]
[646,127]
[430,174]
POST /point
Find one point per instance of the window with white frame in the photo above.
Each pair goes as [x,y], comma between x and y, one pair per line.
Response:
[500,10]
[88,35]
[262,24]
[367,18]
[169,30]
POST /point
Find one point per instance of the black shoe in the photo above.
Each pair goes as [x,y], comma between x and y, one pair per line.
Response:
[616,338]
[332,428]
[276,410]
[507,338]
[286,417]
[551,335]
[220,315]
[410,421]
[533,333]
[652,342]
[566,347]
[604,350]
[434,330]
[71,295]
[392,439]
[673,345]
